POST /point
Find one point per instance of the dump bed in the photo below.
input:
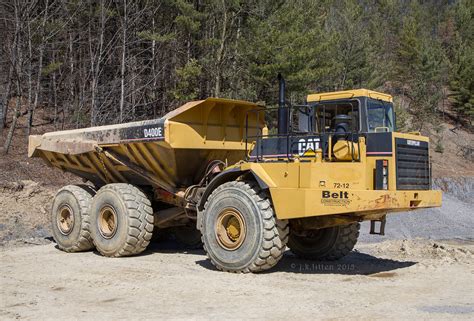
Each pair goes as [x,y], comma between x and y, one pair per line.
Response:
[170,152]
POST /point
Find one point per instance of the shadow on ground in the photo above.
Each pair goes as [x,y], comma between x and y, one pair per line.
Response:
[356,263]
[164,247]
[172,246]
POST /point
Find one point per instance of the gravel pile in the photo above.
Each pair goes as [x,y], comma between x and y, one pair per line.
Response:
[454,220]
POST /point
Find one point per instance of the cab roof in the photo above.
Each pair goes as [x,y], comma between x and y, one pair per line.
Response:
[347,94]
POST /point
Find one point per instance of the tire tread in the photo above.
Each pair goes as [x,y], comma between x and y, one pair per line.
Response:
[140,219]
[83,194]
[275,233]
[343,245]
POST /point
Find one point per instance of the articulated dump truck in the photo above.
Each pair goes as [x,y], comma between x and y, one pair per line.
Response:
[244,181]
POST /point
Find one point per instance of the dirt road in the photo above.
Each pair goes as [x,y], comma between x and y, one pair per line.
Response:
[398,279]
[394,278]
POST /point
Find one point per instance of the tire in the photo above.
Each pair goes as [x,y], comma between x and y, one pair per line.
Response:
[121,220]
[70,218]
[261,238]
[189,236]
[332,243]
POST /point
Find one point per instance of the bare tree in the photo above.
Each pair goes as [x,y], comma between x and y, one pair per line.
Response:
[124,54]
[31,109]
[17,62]
[96,60]
[6,98]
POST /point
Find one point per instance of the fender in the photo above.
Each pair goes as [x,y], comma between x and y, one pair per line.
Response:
[227,176]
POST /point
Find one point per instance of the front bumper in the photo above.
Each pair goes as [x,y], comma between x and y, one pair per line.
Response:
[301,202]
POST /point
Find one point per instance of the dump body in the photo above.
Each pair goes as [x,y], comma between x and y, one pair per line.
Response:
[171,152]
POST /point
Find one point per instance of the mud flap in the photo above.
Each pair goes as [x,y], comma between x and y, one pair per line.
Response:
[199,218]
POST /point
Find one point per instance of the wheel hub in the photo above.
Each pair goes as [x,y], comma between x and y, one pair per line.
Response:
[107,221]
[230,229]
[65,219]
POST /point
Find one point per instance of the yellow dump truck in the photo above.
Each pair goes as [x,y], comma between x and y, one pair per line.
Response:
[248,181]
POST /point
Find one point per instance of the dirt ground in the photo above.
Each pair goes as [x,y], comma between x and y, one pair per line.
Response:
[395,279]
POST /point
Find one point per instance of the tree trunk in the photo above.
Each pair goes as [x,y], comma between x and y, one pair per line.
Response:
[30,75]
[71,78]
[235,78]
[17,61]
[55,100]
[220,53]
[122,66]
[16,114]
[40,67]
[96,64]
[133,91]
[153,68]
[5,100]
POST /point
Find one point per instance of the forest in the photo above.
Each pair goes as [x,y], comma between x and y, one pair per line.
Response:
[101,62]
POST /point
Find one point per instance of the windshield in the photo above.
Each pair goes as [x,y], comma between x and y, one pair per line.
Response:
[380,116]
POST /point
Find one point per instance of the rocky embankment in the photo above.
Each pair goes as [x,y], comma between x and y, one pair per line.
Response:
[460,187]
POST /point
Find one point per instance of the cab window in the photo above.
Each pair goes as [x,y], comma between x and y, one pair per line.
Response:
[337,117]
[380,116]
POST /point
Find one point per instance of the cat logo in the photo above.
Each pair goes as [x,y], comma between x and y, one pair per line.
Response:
[307,145]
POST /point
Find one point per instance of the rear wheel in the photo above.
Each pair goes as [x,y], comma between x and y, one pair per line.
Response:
[122,220]
[70,218]
[240,231]
[330,243]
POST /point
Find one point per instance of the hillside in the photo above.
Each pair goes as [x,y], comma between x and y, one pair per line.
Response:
[452,162]
[16,166]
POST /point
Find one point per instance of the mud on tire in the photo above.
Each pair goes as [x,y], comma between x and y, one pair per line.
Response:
[265,236]
[70,218]
[332,243]
[121,220]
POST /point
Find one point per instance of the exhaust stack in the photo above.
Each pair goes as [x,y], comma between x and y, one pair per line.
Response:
[282,109]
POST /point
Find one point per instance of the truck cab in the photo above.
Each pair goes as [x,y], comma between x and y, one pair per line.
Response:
[369,111]
[370,114]
[338,142]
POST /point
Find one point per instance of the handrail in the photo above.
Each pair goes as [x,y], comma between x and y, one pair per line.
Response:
[288,137]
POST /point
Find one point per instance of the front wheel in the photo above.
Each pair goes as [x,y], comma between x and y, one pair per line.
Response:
[330,243]
[240,231]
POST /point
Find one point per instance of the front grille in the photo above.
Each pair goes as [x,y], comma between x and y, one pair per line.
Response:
[413,166]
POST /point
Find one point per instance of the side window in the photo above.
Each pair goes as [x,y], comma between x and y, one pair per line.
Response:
[338,117]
